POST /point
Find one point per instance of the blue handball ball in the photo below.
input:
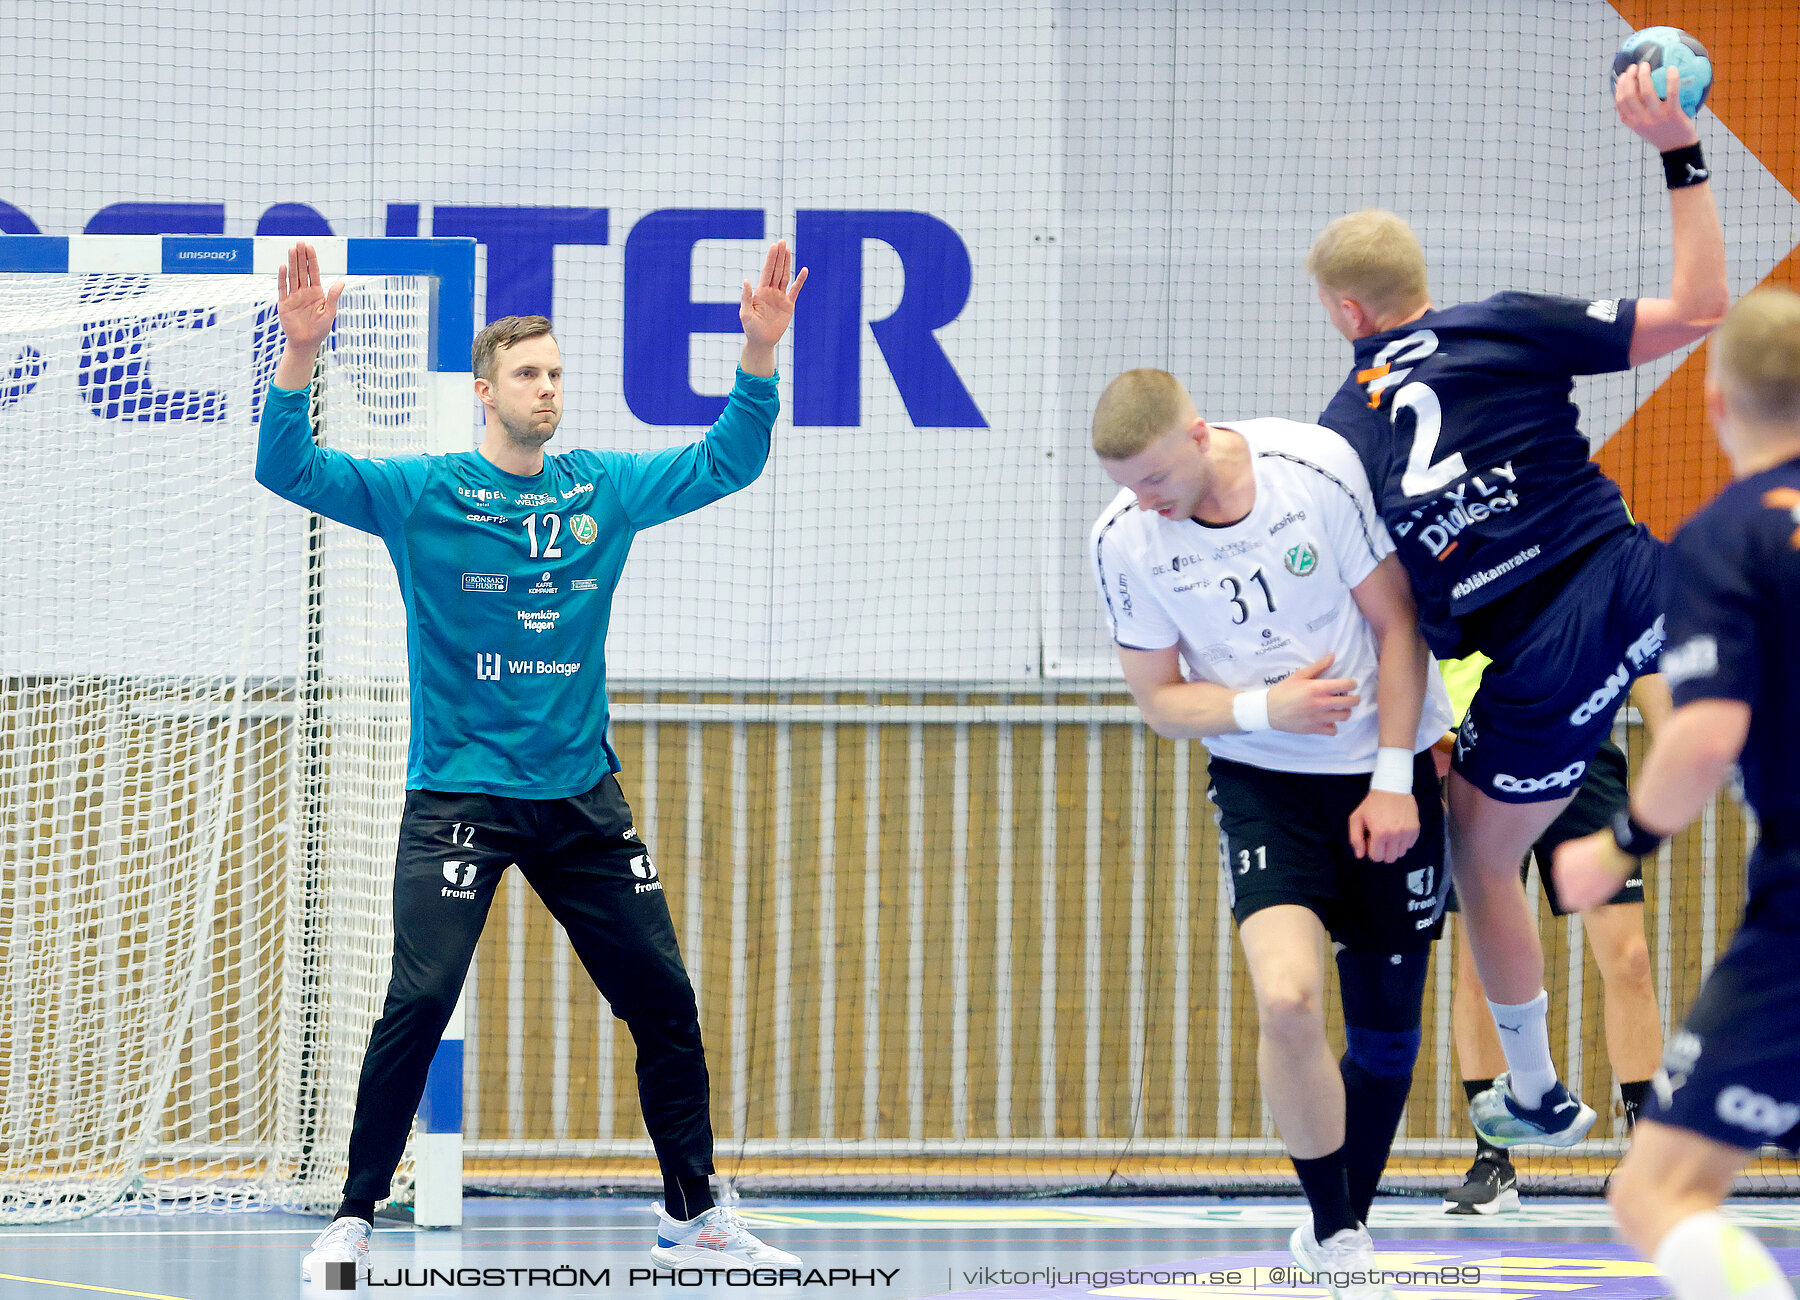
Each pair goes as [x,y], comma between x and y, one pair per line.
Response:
[1669,47]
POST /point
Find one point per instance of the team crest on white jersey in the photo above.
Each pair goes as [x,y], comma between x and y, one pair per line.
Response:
[1301,560]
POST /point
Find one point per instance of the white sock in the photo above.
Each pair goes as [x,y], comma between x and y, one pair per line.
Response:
[1525,1038]
[1709,1259]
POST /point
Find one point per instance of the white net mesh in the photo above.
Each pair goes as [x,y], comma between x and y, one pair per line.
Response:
[201,782]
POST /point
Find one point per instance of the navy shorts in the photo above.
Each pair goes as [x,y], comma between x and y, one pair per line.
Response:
[1603,792]
[1285,838]
[1548,700]
[1733,1072]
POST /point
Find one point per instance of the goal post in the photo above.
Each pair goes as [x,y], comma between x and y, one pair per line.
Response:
[203,720]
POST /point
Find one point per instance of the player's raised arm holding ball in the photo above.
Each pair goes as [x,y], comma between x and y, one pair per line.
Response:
[507,560]
[1517,545]
[1698,294]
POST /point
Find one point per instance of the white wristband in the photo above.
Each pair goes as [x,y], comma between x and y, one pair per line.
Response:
[1250,710]
[1393,770]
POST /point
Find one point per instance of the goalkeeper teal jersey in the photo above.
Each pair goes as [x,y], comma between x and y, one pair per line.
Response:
[508,581]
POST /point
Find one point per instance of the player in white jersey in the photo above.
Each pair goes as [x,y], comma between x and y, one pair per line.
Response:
[1252,552]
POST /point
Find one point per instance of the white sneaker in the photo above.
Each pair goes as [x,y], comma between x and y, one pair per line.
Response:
[346,1241]
[1348,1255]
[716,1239]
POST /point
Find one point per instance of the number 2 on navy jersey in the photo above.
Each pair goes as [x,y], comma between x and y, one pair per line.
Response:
[551,550]
[1422,477]
[1236,596]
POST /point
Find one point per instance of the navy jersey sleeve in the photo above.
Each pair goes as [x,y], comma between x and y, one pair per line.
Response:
[1567,336]
[1713,609]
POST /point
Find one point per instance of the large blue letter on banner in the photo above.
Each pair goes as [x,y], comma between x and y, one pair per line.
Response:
[661,316]
[828,322]
[158,219]
[521,246]
[15,222]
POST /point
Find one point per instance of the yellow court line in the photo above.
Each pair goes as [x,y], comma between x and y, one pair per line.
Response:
[83,1286]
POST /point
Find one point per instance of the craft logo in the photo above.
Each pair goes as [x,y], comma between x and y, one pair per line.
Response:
[583,529]
[1302,559]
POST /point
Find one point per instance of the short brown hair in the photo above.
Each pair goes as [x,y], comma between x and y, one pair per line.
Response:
[1136,409]
[1756,355]
[503,333]
[1374,257]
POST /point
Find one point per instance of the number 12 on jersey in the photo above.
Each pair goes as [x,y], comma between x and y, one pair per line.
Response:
[553,526]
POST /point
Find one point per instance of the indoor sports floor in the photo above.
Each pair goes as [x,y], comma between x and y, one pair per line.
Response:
[1156,1249]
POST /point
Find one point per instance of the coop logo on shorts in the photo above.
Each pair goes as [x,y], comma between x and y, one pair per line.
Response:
[583,529]
[1563,780]
[1754,1111]
[1301,560]
[487,668]
[645,870]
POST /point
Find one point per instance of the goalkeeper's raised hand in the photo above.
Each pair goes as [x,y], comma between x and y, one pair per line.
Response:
[306,308]
[766,307]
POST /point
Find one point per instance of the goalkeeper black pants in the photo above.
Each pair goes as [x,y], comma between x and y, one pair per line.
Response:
[586,861]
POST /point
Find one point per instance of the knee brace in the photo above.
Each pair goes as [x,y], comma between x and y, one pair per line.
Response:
[1383,1053]
[1382,994]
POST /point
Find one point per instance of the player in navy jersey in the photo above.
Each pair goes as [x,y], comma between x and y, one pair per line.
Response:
[1730,1080]
[1518,547]
[507,560]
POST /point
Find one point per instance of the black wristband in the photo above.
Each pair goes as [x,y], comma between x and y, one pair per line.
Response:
[1684,167]
[1633,838]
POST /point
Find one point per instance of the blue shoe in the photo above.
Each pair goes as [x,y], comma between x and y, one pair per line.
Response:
[1560,1120]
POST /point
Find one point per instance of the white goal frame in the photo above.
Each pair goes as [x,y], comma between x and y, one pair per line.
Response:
[448,267]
